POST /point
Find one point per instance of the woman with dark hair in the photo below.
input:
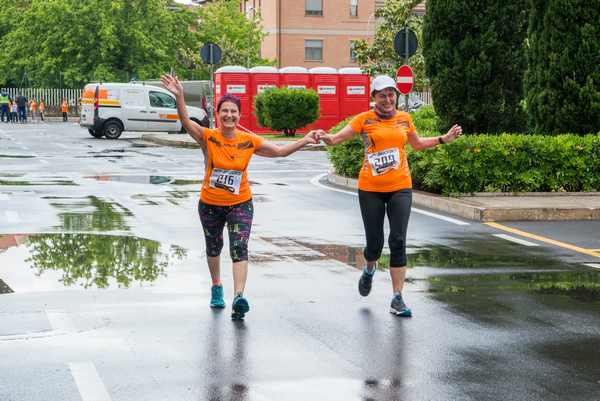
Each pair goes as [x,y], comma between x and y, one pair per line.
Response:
[225,197]
[384,182]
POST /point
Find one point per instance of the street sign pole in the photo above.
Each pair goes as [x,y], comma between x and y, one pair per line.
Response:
[406,62]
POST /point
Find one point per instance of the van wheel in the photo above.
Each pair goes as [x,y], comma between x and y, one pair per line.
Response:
[112,130]
[95,134]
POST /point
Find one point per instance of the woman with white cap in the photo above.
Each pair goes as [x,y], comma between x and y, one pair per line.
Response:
[384,182]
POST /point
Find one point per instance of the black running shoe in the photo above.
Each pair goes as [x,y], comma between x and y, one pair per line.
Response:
[365,282]
[240,307]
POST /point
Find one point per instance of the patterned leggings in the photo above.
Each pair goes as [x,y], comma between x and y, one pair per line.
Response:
[239,222]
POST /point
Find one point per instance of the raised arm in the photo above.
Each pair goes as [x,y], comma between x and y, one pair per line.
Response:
[420,143]
[331,140]
[172,84]
[270,149]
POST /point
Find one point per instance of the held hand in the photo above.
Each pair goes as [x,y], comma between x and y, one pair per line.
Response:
[172,84]
[311,137]
[454,132]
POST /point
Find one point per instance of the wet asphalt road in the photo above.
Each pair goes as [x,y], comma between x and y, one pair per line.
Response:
[104,290]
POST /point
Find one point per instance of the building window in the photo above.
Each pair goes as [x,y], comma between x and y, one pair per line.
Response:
[352,52]
[313,50]
[313,7]
[354,8]
[379,4]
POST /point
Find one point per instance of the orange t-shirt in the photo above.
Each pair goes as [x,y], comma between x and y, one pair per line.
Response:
[33,106]
[226,164]
[385,167]
[42,107]
[64,107]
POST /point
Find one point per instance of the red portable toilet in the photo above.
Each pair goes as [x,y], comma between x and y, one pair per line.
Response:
[294,78]
[325,81]
[354,92]
[235,80]
[261,78]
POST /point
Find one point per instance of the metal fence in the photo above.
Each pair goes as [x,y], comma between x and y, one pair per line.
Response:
[52,97]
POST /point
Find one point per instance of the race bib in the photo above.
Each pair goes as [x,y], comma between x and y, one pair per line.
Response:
[229,180]
[384,161]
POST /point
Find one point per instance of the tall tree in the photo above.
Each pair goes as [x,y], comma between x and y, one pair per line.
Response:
[562,82]
[378,56]
[475,59]
[71,42]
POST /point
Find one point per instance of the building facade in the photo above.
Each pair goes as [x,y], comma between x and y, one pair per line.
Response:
[312,33]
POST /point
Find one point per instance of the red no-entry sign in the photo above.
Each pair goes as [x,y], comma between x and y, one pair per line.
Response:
[404,79]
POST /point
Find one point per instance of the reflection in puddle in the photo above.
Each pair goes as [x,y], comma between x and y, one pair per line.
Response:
[180,181]
[90,260]
[173,197]
[134,179]
[17,156]
[4,289]
[36,182]
[90,214]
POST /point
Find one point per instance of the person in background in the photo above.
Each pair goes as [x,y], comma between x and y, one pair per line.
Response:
[64,107]
[33,108]
[4,106]
[14,111]
[42,108]
[22,108]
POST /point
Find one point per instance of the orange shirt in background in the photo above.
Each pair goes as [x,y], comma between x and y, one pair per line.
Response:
[64,107]
[226,165]
[42,107]
[385,166]
[33,106]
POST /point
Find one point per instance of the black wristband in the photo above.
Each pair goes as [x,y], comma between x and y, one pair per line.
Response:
[440,140]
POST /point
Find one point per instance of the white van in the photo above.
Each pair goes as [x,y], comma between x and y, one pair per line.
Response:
[108,109]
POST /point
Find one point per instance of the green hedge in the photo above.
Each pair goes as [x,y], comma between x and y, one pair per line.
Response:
[493,163]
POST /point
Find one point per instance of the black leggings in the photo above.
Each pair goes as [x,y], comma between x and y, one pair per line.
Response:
[373,206]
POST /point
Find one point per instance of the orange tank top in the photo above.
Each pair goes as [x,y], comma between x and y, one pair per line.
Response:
[226,167]
[385,166]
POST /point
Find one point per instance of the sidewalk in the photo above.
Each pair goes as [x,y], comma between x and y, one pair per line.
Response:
[186,141]
[484,207]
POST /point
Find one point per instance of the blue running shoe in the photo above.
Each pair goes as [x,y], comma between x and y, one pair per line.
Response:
[399,308]
[240,307]
[364,284]
[216,297]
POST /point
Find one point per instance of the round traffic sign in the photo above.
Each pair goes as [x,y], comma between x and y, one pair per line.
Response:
[405,43]
[404,79]
[210,53]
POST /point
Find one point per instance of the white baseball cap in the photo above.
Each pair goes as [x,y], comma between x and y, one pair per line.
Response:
[381,82]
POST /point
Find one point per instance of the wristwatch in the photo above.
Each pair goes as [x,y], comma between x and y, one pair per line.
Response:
[440,140]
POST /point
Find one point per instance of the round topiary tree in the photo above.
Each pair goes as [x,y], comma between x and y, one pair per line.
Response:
[282,109]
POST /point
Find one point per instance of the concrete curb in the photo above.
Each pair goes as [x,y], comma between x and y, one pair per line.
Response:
[178,143]
[474,208]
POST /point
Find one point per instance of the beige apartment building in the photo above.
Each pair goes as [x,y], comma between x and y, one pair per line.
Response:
[313,33]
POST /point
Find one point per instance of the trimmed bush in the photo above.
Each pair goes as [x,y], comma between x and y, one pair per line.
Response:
[283,109]
[492,163]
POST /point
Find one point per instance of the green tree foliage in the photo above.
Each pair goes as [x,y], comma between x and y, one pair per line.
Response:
[283,109]
[562,82]
[378,56]
[475,60]
[71,42]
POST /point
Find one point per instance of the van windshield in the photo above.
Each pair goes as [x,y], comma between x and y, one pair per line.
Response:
[159,99]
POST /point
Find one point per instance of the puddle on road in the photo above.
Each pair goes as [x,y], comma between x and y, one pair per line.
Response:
[172,197]
[134,179]
[37,182]
[90,214]
[179,181]
[95,261]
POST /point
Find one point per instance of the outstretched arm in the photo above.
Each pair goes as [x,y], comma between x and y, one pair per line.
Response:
[172,84]
[270,149]
[419,143]
[331,140]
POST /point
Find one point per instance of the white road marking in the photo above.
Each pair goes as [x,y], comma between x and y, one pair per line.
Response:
[594,265]
[315,181]
[60,320]
[515,239]
[88,382]
[12,216]
[44,161]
